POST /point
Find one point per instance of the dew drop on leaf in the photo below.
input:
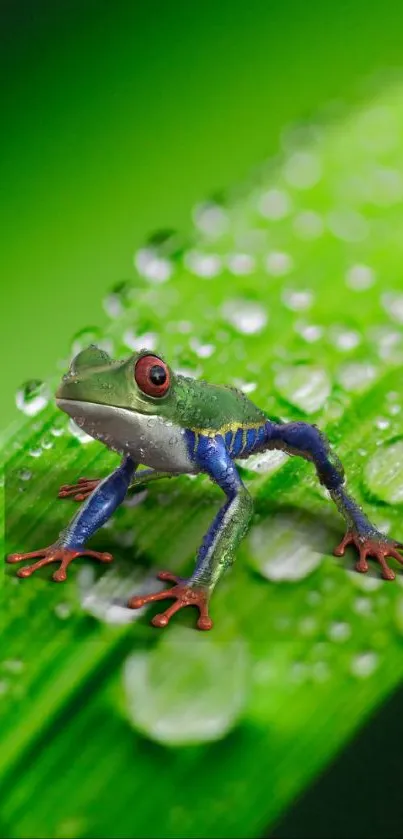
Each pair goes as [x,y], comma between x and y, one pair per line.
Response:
[305,386]
[24,474]
[383,473]
[145,341]
[32,397]
[206,265]
[119,298]
[356,377]
[364,664]
[278,263]
[360,277]
[241,263]
[188,689]
[246,316]
[285,548]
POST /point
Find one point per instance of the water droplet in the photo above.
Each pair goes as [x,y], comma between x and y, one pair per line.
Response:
[305,386]
[279,263]
[265,462]
[13,665]
[241,263]
[155,260]
[285,548]
[32,397]
[297,299]
[246,387]
[106,598]
[360,277]
[356,377]
[119,298]
[308,225]
[245,315]
[203,350]
[211,219]
[4,687]
[383,473]
[377,129]
[78,432]
[24,474]
[362,606]
[302,170]
[310,332]
[58,427]
[385,187]
[62,611]
[344,339]
[188,689]
[365,582]
[206,265]
[307,626]
[90,335]
[35,452]
[382,423]
[393,305]
[274,204]
[146,341]
[348,225]
[320,671]
[339,631]
[364,664]
[388,342]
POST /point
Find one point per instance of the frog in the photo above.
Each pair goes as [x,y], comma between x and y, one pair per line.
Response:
[173,424]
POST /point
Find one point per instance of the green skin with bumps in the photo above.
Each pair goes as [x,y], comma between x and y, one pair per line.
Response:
[174,425]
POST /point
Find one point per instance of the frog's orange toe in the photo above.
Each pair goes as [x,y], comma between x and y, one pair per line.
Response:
[184,594]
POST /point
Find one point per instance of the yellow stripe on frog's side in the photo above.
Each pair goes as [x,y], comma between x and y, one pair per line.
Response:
[229,426]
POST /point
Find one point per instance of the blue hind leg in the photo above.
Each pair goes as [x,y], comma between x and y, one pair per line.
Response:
[307,441]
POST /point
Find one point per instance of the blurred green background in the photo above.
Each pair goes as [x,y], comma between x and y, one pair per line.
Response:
[118,116]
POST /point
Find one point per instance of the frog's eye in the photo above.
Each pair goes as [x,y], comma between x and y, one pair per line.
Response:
[152,375]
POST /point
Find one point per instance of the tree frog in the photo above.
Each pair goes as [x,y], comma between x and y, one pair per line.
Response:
[140,408]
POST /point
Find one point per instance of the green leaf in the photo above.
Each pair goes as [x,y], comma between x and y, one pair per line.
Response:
[290,289]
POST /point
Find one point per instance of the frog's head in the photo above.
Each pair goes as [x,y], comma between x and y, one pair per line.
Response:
[104,396]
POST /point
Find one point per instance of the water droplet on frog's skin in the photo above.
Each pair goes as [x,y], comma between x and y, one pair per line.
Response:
[206,265]
[297,299]
[356,377]
[202,688]
[383,473]
[304,385]
[246,316]
[119,298]
[359,277]
[148,340]
[393,304]
[274,204]
[32,397]
[279,263]
[24,474]
[211,219]
[364,664]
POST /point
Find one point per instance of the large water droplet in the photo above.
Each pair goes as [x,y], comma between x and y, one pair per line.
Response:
[360,277]
[305,386]
[188,689]
[211,219]
[106,598]
[297,299]
[383,473]
[286,547]
[364,664]
[274,204]
[247,316]
[356,376]
[32,397]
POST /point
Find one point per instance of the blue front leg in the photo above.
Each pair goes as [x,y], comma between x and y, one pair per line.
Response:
[92,515]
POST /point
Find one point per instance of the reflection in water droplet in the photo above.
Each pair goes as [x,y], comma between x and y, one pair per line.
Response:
[364,664]
[393,305]
[383,473]
[356,377]
[297,299]
[32,397]
[78,432]
[187,689]
[360,277]
[206,265]
[302,170]
[286,548]
[279,263]
[305,386]
[308,225]
[246,315]
[274,204]
[146,341]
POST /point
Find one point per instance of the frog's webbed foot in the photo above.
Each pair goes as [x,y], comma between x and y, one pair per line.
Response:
[54,554]
[79,491]
[374,545]
[184,593]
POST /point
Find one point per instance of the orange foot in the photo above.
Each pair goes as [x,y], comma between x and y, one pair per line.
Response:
[184,594]
[79,491]
[378,546]
[54,554]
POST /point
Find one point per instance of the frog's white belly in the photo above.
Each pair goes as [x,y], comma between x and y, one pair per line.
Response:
[150,440]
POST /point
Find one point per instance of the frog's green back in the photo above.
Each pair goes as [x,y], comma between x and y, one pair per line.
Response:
[201,405]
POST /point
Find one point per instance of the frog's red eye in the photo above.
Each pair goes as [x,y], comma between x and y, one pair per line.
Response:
[152,375]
